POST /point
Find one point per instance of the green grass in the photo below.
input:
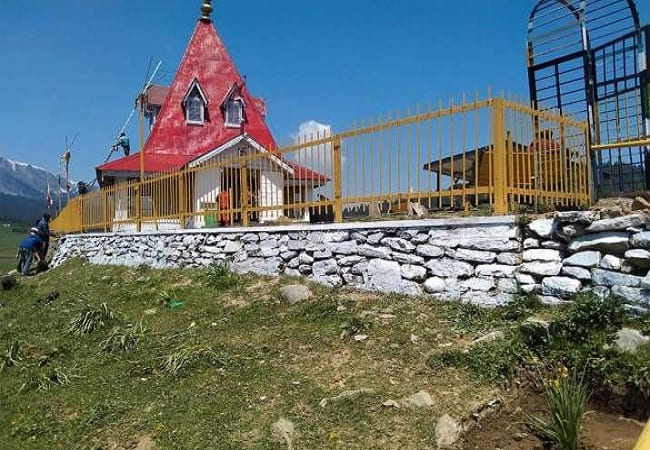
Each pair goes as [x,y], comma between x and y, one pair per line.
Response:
[9,241]
[218,371]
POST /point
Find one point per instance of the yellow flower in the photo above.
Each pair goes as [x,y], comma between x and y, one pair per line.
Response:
[332,435]
[563,372]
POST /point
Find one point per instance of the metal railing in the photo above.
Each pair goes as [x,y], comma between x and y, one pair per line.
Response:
[494,154]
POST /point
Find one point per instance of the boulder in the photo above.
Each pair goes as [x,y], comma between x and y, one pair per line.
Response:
[434,285]
[629,340]
[606,242]
[543,269]
[7,282]
[420,399]
[611,262]
[411,272]
[600,277]
[449,268]
[448,432]
[283,431]
[589,259]
[563,287]
[638,257]
[616,224]
[385,276]
[546,255]
[295,293]
[542,227]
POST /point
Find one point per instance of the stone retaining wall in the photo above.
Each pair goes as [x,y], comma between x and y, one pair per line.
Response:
[479,260]
[470,259]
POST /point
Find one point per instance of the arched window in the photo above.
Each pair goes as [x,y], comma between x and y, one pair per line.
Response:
[195,108]
[234,113]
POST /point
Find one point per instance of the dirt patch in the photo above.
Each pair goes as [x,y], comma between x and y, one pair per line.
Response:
[507,429]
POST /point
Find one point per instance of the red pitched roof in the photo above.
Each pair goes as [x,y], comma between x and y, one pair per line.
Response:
[156,94]
[172,140]
[158,163]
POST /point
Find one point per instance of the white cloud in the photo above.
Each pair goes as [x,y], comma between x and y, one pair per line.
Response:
[318,157]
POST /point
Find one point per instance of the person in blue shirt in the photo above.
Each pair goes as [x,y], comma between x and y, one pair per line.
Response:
[122,141]
[29,249]
[43,225]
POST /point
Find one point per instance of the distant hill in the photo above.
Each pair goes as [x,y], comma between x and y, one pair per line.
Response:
[23,188]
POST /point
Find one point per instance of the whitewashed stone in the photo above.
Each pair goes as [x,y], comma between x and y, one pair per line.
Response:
[531,243]
[304,258]
[563,287]
[585,217]
[544,269]
[398,244]
[403,258]
[528,288]
[359,268]
[494,245]
[477,284]
[553,245]
[601,291]
[304,268]
[267,252]
[250,237]
[296,245]
[322,254]
[374,252]
[507,285]
[434,285]
[486,299]
[629,340]
[641,240]
[542,227]
[589,259]
[420,238]
[288,255]
[260,266]
[478,256]
[342,248]
[645,282]
[636,296]
[550,300]
[375,238]
[607,242]
[449,268]
[295,293]
[232,247]
[615,224]
[324,267]
[546,255]
[495,270]
[328,280]
[510,259]
[579,273]
[350,260]
[335,236]
[385,276]
[430,251]
[411,272]
[611,262]
[638,257]
[355,280]
[600,277]
[524,278]
[294,263]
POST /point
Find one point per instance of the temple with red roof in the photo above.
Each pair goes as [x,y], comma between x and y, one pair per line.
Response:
[206,115]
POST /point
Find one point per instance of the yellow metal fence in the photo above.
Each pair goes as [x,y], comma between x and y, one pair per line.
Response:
[495,154]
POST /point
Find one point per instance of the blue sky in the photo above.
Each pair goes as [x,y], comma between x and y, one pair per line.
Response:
[74,66]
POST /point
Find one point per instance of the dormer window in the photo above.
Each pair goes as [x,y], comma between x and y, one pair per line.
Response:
[234,113]
[195,105]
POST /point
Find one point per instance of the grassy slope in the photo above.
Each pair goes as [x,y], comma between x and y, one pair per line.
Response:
[273,361]
[8,243]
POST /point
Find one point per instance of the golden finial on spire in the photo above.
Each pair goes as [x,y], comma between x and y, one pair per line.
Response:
[206,9]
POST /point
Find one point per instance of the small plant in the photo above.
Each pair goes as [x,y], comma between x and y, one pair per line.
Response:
[91,319]
[124,339]
[355,326]
[12,357]
[187,357]
[566,396]
[49,380]
[219,275]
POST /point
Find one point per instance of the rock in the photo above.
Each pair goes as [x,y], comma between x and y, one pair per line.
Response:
[542,227]
[607,242]
[477,284]
[283,431]
[291,272]
[430,251]
[542,255]
[611,262]
[350,260]
[495,270]
[550,300]
[507,285]
[601,291]
[543,269]
[295,293]
[232,247]
[411,272]
[374,252]
[632,295]
[579,273]
[375,238]
[374,210]
[563,287]
[641,240]
[420,399]
[449,268]
[434,285]
[629,340]
[474,255]
[328,280]
[7,282]
[528,288]
[645,282]
[489,337]
[524,278]
[260,266]
[584,217]
[511,259]
[640,204]
[325,267]
[492,245]
[600,277]
[638,257]
[553,245]
[616,224]
[486,299]
[403,258]
[391,404]
[417,209]
[360,337]
[447,432]
[531,243]
[398,244]
[589,259]
[342,248]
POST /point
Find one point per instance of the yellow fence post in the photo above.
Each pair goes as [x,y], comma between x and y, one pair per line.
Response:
[181,199]
[338,183]
[499,172]
[138,206]
[244,193]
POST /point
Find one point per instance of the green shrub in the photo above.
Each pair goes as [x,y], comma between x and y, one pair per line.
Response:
[124,339]
[91,319]
[219,275]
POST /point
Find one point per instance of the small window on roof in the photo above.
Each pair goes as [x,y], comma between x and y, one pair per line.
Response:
[234,113]
[195,108]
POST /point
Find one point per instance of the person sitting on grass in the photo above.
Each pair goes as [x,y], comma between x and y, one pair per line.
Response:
[29,249]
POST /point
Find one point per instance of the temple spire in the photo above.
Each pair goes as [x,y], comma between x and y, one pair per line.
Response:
[206,10]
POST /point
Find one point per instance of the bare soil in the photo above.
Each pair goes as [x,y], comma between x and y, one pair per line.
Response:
[507,429]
